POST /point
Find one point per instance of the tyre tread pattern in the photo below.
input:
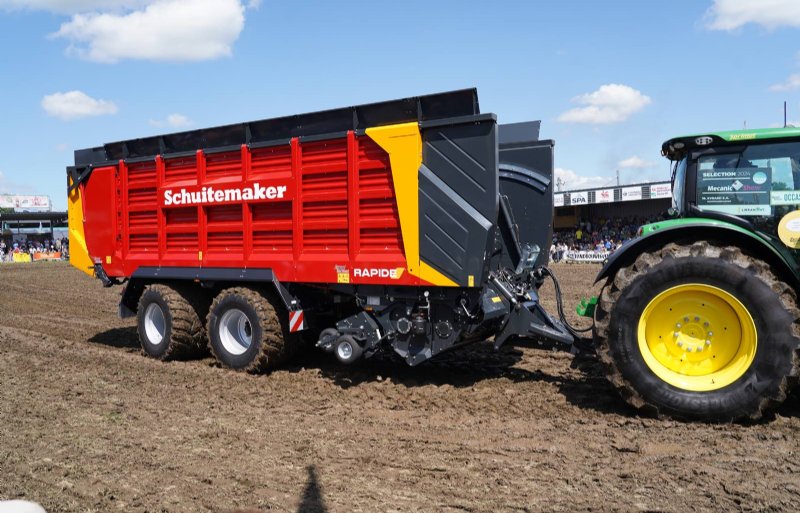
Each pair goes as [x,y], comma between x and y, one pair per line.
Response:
[274,350]
[188,334]
[626,275]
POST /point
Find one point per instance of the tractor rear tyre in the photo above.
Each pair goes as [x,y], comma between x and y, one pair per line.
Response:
[699,331]
[169,323]
[246,332]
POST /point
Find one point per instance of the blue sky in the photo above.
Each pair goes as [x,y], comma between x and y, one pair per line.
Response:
[609,80]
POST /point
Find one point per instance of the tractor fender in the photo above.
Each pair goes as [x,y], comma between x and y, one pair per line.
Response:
[689,230]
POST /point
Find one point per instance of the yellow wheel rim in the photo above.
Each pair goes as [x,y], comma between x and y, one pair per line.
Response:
[697,337]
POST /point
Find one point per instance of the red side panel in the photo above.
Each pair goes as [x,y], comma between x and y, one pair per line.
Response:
[378,221]
[321,211]
[100,216]
[140,213]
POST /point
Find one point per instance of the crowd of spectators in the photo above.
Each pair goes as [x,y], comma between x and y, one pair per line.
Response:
[8,248]
[599,235]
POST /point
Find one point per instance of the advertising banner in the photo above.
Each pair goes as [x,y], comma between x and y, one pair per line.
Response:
[579,198]
[17,201]
[21,258]
[604,196]
[737,191]
[586,256]
[50,255]
[631,193]
[660,190]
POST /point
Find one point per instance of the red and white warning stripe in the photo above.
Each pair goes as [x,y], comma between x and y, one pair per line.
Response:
[296,321]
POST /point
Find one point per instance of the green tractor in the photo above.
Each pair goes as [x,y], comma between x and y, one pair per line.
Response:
[699,315]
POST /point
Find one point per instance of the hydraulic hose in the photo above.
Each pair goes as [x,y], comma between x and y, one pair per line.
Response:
[560,305]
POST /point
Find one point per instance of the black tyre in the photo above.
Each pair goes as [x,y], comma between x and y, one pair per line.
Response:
[169,322]
[347,349]
[699,331]
[327,339]
[246,332]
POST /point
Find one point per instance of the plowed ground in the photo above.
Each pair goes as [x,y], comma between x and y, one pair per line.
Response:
[89,424]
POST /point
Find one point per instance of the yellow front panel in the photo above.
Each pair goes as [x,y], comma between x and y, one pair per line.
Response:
[78,252]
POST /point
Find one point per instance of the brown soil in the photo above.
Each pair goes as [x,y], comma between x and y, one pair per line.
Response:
[88,424]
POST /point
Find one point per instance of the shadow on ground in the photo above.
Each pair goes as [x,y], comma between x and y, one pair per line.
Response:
[464,367]
[460,368]
[117,337]
[312,500]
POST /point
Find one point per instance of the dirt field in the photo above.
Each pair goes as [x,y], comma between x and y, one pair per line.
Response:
[88,424]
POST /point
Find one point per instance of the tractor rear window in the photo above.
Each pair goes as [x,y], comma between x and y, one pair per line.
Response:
[751,182]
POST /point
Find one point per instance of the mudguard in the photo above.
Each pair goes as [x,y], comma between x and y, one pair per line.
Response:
[696,228]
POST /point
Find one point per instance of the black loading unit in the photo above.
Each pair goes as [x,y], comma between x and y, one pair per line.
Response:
[485,199]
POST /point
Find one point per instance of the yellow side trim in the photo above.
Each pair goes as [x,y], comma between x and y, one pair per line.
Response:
[434,277]
[78,252]
[403,143]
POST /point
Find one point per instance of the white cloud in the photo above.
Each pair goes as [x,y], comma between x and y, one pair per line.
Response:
[75,105]
[611,103]
[173,121]
[636,162]
[790,84]
[571,180]
[771,14]
[164,30]
[61,147]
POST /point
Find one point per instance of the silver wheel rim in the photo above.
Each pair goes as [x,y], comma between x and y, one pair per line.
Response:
[344,350]
[155,324]
[235,331]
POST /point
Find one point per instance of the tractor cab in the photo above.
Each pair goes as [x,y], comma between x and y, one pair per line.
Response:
[750,178]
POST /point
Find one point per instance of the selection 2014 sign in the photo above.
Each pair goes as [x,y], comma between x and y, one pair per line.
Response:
[737,191]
